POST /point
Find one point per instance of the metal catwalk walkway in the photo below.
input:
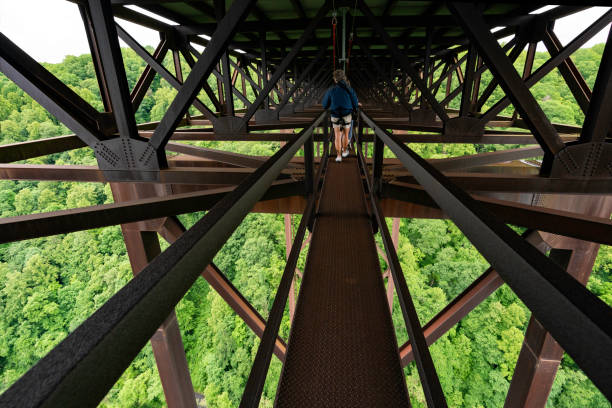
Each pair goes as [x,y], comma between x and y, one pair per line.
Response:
[342,349]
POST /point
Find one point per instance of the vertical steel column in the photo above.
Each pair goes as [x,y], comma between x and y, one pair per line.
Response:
[359,134]
[142,247]
[540,354]
[379,149]
[308,165]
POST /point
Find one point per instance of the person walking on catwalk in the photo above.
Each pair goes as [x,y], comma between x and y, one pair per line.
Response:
[341,101]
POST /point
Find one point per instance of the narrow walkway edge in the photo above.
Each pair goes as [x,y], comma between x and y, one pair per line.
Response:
[342,349]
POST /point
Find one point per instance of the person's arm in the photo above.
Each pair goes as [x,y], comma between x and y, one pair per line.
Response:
[354,99]
[326,100]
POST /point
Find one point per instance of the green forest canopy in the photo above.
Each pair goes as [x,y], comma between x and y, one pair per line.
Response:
[48,286]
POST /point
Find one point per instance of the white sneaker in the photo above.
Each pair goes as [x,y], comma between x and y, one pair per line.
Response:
[345,153]
[338,159]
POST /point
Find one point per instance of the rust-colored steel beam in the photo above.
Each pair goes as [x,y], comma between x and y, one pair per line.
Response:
[85,365]
[234,90]
[524,183]
[575,317]
[481,159]
[430,382]
[527,68]
[199,74]
[187,54]
[226,80]
[287,60]
[167,344]
[580,226]
[65,221]
[146,78]
[172,365]
[488,91]
[221,156]
[41,147]
[570,73]
[55,96]
[490,138]
[468,83]
[197,175]
[539,357]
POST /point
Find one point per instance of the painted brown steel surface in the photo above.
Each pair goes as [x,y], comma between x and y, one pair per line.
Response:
[540,354]
[167,344]
[342,349]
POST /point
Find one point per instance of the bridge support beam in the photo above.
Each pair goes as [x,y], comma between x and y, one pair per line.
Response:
[142,246]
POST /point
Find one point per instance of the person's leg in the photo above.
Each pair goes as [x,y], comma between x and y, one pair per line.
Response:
[345,132]
[338,141]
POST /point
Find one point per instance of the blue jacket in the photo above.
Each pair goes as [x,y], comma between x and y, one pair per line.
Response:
[340,101]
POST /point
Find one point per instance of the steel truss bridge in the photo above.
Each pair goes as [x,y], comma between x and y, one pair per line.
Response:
[403,59]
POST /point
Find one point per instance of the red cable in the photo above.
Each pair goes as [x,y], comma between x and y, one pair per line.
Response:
[348,56]
[334,23]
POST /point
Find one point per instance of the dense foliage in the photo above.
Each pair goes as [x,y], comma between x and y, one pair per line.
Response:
[48,286]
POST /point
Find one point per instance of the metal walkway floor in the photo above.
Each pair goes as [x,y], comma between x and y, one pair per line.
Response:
[342,348]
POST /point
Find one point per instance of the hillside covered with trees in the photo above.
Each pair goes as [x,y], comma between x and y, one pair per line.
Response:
[48,286]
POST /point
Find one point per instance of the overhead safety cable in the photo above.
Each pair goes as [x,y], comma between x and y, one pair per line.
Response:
[334,26]
[351,35]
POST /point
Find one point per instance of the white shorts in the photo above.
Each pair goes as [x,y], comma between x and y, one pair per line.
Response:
[347,120]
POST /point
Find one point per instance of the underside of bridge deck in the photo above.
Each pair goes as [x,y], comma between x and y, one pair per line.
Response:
[256,72]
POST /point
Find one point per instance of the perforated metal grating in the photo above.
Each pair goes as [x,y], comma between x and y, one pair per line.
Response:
[342,348]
